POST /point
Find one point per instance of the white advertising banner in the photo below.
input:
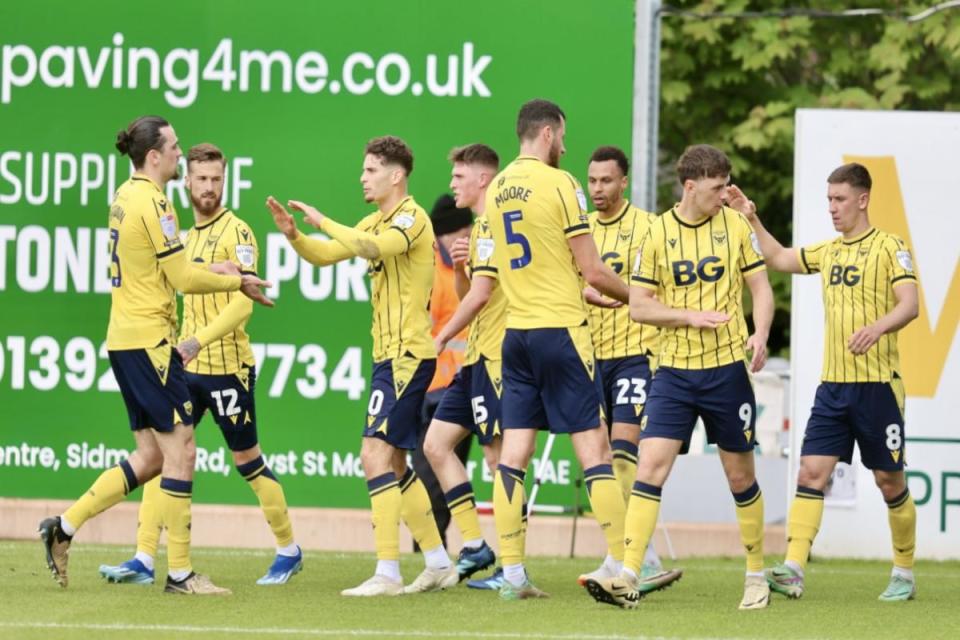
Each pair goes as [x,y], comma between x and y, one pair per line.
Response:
[912,157]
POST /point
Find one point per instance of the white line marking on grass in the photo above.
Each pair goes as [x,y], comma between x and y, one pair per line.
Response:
[361,633]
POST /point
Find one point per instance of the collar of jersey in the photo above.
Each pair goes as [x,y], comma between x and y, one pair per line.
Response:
[223,212]
[617,218]
[142,177]
[681,221]
[386,216]
[861,237]
[529,158]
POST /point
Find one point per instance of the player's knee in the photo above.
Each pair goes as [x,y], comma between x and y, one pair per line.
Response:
[247,455]
[812,477]
[891,485]
[435,450]
[739,481]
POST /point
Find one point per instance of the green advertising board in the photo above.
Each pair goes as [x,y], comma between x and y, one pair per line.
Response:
[291,91]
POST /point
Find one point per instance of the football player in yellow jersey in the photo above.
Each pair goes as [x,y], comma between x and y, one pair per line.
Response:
[220,372]
[624,348]
[148,266]
[698,256]
[471,404]
[869,294]
[397,240]
[541,237]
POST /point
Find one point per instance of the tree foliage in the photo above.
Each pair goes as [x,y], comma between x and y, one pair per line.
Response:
[736,82]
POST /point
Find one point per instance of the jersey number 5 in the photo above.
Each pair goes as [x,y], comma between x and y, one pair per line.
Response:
[509,217]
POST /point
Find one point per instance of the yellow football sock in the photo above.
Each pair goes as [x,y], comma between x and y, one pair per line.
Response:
[273,502]
[606,501]
[508,512]
[750,519]
[149,522]
[385,506]
[640,523]
[417,512]
[902,514]
[803,523]
[107,490]
[173,503]
[624,465]
[463,508]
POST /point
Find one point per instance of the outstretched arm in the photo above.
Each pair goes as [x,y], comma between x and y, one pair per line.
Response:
[392,242]
[775,255]
[315,251]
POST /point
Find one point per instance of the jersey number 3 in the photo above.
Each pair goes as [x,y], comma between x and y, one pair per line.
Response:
[114,259]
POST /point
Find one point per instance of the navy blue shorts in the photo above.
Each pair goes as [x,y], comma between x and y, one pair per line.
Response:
[868,413]
[626,382]
[230,399]
[396,398]
[550,379]
[473,400]
[721,396]
[153,387]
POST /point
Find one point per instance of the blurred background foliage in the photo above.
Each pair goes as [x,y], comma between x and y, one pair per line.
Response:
[735,83]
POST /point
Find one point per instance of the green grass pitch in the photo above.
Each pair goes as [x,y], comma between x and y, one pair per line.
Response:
[841,602]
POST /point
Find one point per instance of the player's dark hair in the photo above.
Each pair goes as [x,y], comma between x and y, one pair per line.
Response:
[603,154]
[391,150]
[702,161]
[854,174]
[475,154]
[206,152]
[537,114]
[140,136]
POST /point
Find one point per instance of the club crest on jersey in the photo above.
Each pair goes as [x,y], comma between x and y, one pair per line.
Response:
[168,225]
[903,257]
[485,248]
[719,237]
[403,221]
[245,254]
[673,242]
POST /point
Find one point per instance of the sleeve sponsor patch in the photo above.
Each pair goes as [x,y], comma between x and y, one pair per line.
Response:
[485,248]
[403,221]
[245,254]
[756,243]
[637,262]
[581,200]
[168,224]
[903,257]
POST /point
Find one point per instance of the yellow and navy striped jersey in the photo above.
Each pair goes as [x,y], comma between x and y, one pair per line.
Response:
[618,239]
[532,209]
[858,277]
[225,238]
[144,232]
[402,284]
[488,328]
[700,266]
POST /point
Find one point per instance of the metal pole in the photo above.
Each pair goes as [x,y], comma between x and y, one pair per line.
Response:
[646,103]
